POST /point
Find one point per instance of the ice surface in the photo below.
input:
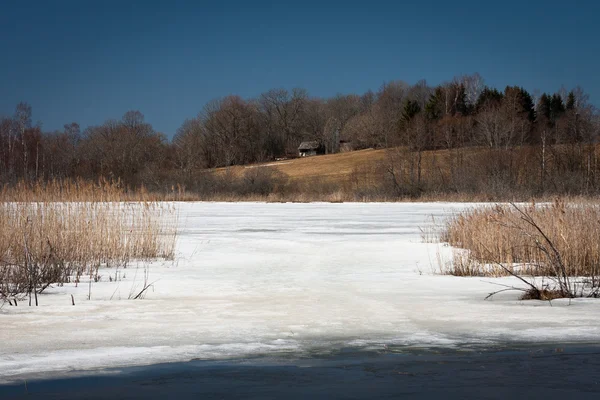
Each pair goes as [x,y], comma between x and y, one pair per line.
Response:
[256,278]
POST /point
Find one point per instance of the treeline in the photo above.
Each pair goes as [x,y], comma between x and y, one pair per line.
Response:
[231,131]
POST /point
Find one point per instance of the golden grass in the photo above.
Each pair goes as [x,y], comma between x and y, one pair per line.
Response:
[501,236]
[332,168]
[78,190]
[45,241]
[462,174]
[343,167]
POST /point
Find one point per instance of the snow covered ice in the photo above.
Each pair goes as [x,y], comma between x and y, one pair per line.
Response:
[272,279]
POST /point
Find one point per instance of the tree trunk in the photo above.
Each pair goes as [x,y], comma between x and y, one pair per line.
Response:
[24,144]
[543,166]
[419,159]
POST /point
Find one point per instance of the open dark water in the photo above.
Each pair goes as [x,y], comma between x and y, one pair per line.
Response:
[547,372]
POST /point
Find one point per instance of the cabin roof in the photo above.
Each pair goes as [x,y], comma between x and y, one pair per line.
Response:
[308,145]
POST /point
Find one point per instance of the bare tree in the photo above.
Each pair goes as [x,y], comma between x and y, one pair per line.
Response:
[122,149]
[364,130]
[23,122]
[418,139]
[501,127]
[7,148]
[232,125]
[315,118]
[390,101]
[474,85]
[190,145]
[283,112]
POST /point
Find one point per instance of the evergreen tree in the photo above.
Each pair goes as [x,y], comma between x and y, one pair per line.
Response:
[489,97]
[460,105]
[520,100]
[557,107]
[551,107]
[411,109]
[527,105]
[434,109]
[571,101]
[544,108]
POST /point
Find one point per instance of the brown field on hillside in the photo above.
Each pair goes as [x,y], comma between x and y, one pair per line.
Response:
[395,174]
[332,167]
[471,173]
[344,167]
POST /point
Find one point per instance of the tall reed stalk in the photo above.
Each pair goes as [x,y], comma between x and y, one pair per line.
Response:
[57,234]
[559,240]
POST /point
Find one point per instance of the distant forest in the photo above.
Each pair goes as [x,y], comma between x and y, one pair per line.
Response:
[560,130]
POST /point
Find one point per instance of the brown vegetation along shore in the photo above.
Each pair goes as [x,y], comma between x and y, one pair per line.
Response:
[44,242]
[395,174]
[558,241]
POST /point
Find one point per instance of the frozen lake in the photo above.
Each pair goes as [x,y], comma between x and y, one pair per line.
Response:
[283,280]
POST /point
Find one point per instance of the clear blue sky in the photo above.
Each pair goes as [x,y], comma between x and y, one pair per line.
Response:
[89,61]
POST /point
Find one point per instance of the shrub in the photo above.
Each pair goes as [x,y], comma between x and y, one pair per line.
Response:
[557,240]
[45,243]
[261,181]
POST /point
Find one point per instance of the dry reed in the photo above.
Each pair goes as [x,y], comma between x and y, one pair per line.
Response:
[500,240]
[54,241]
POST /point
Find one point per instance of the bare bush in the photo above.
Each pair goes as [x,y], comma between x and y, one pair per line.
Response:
[261,181]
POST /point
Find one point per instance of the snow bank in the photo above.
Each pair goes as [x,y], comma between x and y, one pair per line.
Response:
[255,278]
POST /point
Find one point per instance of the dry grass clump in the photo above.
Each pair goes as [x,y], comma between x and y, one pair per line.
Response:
[78,190]
[501,234]
[556,240]
[45,243]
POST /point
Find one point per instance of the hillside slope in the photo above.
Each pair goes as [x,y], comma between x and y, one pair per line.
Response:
[472,173]
[331,167]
